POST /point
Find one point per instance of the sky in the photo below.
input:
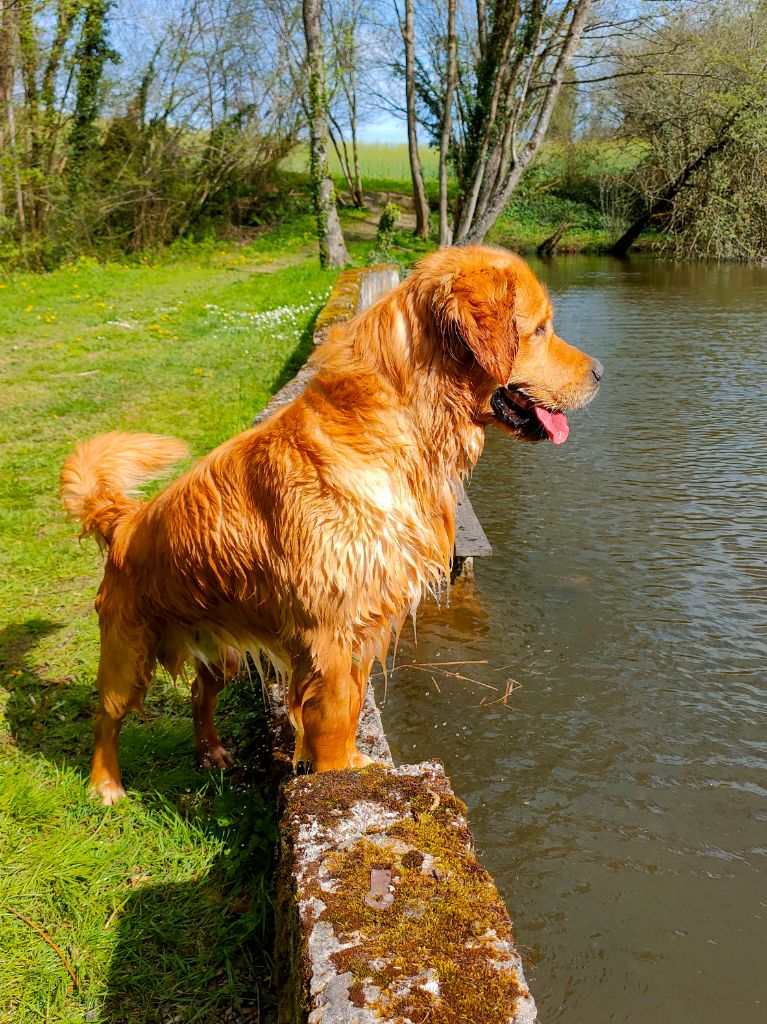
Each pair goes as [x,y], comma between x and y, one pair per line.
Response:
[387,129]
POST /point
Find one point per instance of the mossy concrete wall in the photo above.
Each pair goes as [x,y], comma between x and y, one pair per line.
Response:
[384,913]
[355,289]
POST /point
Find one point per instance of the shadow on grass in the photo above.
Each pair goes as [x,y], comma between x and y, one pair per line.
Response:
[44,715]
[198,950]
[297,358]
[193,950]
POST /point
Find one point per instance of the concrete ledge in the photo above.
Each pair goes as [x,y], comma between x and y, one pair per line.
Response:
[384,913]
[354,290]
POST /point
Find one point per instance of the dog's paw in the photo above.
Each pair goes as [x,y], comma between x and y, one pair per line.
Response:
[107,791]
[358,760]
[216,758]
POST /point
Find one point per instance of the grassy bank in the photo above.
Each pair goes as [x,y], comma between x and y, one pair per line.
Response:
[160,906]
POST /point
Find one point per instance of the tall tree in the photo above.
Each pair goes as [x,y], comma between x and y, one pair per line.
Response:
[407,25]
[330,236]
[345,24]
[510,59]
[91,56]
[8,115]
[445,229]
[520,69]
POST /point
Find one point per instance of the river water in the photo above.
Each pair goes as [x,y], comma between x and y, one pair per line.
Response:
[619,794]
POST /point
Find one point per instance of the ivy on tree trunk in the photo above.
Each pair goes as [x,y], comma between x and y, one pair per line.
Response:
[329,234]
[93,52]
[419,192]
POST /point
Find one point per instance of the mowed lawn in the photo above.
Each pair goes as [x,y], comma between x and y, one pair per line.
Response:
[159,907]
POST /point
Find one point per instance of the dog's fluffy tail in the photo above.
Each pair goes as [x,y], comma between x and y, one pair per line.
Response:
[96,480]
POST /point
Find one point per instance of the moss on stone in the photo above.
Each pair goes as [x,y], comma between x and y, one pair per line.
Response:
[344,300]
[342,303]
[439,948]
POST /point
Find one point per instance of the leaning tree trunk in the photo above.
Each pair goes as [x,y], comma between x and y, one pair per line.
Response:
[665,201]
[331,240]
[490,192]
[419,192]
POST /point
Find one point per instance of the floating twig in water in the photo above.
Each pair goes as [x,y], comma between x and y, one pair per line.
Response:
[511,686]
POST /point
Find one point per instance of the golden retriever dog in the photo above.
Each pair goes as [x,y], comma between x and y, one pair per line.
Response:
[312,536]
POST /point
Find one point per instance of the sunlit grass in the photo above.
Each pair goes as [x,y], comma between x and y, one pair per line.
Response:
[161,905]
[383,163]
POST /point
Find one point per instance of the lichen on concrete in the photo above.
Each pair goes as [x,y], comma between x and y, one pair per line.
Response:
[442,950]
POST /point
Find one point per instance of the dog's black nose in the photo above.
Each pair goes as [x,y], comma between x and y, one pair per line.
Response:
[597,369]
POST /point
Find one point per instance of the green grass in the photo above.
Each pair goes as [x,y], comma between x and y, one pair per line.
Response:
[161,905]
[387,164]
[567,185]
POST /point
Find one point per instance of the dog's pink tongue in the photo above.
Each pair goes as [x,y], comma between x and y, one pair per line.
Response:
[554,423]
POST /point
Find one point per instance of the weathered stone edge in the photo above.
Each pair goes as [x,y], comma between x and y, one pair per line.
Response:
[336,962]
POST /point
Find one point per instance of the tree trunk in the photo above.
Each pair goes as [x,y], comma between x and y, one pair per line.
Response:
[664,202]
[419,192]
[445,231]
[7,69]
[329,235]
[357,192]
[489,201]
[336,136]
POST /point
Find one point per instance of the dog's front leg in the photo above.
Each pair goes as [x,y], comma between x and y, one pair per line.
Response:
[360,674]
[324,701]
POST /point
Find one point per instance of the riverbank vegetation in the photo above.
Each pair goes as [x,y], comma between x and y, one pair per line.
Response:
[123,131]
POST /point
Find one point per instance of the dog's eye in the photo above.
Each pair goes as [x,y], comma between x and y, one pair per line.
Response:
[540,331]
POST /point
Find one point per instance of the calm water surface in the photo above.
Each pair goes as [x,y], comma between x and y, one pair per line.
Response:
[620,801]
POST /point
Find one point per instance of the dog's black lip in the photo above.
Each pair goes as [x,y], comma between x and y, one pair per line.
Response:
[513,408]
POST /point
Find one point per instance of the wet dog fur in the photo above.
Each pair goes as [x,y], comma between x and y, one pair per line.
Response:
[312,536]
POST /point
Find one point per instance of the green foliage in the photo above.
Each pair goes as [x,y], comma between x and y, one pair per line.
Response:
[91,56]
[566,186]
[108,167]
[382,251]
[695,93]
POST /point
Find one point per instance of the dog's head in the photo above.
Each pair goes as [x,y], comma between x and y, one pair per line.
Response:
[494,318]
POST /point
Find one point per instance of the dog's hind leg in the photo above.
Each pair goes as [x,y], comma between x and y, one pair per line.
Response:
[125,669]
[209,682]
[324,705]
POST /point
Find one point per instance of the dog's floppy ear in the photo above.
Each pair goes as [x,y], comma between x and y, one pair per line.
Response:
[476,309]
